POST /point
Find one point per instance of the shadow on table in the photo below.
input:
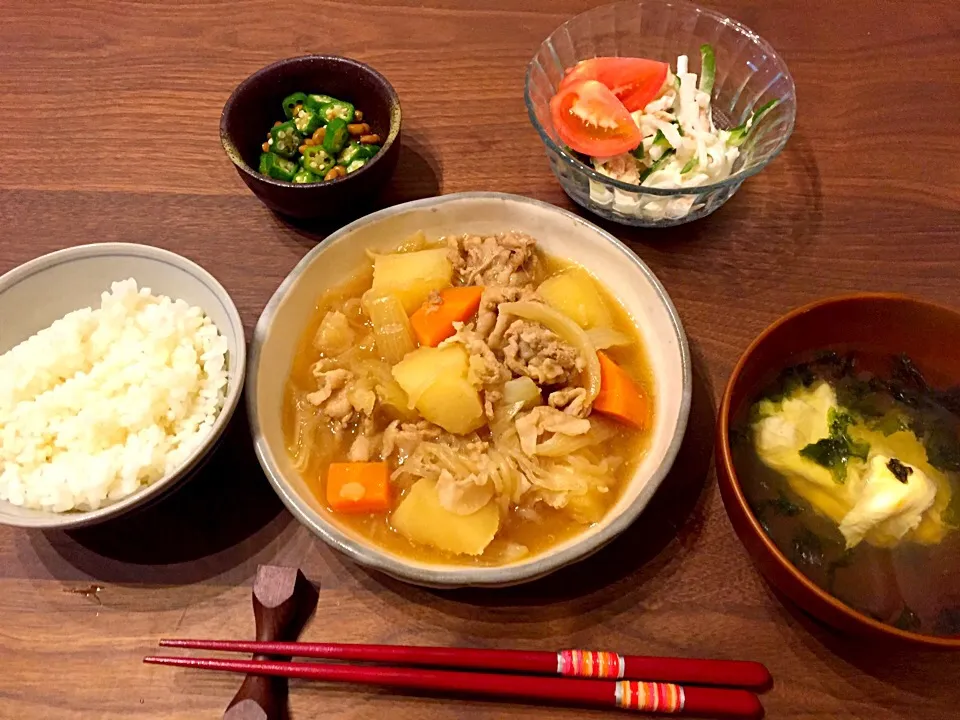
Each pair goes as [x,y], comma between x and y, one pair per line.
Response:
[215,521]
[863,662]
[418,176]
[785,201]
[618,576]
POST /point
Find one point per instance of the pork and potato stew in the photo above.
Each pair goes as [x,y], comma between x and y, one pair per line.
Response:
[470,400]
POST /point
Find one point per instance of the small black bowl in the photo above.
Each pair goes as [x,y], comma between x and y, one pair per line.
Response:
[256,104]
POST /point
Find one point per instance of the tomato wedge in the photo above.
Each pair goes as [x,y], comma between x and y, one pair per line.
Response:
[635,81]
[590,119]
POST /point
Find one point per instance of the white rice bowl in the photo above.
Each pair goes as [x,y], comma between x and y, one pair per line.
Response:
[108,400]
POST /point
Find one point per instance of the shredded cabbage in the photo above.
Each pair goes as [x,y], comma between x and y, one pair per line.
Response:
[469,471]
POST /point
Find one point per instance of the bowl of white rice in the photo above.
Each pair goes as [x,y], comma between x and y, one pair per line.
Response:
[120,367]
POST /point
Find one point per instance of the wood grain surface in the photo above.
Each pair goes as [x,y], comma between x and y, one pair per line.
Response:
[109,132]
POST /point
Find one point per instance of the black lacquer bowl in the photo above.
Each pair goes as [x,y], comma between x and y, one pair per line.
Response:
[256,104]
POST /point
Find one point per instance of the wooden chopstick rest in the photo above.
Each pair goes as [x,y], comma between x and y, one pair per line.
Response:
[283,601]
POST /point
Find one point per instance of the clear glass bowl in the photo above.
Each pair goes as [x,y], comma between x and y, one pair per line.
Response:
[749,74]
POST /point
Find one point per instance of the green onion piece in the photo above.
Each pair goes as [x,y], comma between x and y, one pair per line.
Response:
[657,165]
[691,164]
[708,69]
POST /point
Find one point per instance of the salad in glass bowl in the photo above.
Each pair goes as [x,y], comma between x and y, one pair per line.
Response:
[636,121]
[641,143]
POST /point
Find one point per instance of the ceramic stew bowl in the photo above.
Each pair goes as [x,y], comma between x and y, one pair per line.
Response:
[559,233]
[256,104]
[888,324]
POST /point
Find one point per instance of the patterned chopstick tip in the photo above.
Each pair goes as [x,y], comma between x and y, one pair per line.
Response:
[649,696]
[590,663]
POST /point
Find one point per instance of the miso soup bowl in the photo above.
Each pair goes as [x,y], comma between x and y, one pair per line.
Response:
[559,233]
[889,324]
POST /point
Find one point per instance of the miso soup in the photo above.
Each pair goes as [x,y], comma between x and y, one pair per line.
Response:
[851,463]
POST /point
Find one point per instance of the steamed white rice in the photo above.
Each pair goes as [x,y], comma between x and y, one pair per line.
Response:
[105,401]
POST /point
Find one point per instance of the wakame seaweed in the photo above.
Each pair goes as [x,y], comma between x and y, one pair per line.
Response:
[943,447]
[834,452]
[844,561]
[807,549]
[905,402]
[900,471]
[782,505]
[908,620]
[791,379]
[889,424]
[948,622]
[951,515]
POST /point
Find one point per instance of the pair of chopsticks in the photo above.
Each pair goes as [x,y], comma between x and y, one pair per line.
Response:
[581,677]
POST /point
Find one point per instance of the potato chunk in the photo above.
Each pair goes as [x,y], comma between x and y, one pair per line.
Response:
[453,404]
[574,293]
[412,276]
[435,380]
[422,519]
[419,369]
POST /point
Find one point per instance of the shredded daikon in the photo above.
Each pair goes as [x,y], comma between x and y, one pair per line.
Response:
[681,148]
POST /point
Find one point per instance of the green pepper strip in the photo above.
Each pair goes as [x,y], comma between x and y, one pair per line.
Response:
[739,134]
[657,165]
[708,69]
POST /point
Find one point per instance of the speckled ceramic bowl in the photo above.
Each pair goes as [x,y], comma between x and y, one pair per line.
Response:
[559,233]
[256,104]
[43,290]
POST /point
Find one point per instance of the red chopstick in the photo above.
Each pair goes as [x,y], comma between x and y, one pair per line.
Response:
[569,663]
[661,698]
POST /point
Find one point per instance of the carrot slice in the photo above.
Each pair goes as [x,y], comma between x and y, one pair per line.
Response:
[432,324]
[619,396]
[358,487]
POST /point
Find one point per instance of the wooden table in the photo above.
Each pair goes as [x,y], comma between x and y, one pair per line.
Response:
[109,132]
